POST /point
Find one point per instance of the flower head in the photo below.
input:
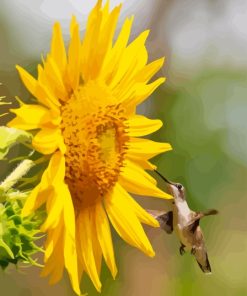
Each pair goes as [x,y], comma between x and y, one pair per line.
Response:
[86,121]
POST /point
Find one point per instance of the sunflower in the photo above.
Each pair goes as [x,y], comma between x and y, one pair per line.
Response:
[86,122]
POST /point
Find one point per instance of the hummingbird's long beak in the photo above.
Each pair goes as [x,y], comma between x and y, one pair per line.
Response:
[171,185]
[163,178]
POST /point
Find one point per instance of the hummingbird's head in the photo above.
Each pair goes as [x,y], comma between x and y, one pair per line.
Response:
[177,190]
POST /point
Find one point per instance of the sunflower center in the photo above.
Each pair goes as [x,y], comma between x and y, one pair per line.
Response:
[96,144]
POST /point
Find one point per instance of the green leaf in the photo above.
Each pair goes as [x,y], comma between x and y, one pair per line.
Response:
[6,248]
[17,234]
[11,136]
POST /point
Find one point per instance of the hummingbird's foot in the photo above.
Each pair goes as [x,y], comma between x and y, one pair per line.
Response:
[193,251]
[181,249]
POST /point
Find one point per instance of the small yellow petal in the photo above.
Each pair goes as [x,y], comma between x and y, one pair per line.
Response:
[38,90]
[54,265]
[86,231]
[54,207]
[70,253]
[56,171]
[60,217]
[139,125]
[69,211]
[91,36]
[105,37]
[51,178]
[34,201]
[52,239]
[104,237]
[145,74]
[142,162]
[125,222]
[135,180]
[74,58]
[97,251]
[30,116]
[52,77]
[114,55]
[48,141]
[142,215]
[144,148]
[58,52]
[133,59]
[144,91]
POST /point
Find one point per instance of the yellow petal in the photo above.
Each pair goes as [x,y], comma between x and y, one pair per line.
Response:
[54,207]
[99,33]
[38,90]
[35,199]
[88,48]
[30,116]
[144,148]
[125,222]
[139,125]
[57,273]
[58,52]
[132,89]
[114,55]
[133,59]
[105,36]
[74,58]
[145,74]
[70,254]
[142,215]
[54,265]
[97,251]
[143,163]
[60,217]
[51,178]
[52,239]
[56,170]
[48,141]
[135,180]
[105,239]
[125,90]
[69,212]
[144,91]
[86,231]
[51,76]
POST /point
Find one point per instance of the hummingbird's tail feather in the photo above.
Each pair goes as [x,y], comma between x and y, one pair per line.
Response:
[201,257]
[205,267]
[209,212]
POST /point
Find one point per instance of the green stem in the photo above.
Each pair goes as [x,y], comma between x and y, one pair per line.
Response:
[15,176]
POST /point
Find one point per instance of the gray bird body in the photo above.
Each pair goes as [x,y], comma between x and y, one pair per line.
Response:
[185,223]
[181,219]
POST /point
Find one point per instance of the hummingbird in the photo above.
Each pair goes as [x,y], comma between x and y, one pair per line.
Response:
[186,224]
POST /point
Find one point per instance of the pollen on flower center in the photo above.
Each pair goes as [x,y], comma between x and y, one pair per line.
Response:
[96,144]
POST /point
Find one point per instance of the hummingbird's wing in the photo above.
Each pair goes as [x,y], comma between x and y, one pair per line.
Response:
[165,219]
[193,223]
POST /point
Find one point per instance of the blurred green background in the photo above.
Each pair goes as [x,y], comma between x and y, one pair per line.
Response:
[204,108]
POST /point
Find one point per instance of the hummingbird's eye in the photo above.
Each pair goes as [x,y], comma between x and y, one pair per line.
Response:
[179,186]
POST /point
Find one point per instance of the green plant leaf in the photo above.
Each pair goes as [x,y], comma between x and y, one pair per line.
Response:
[10,137]
[6,248]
